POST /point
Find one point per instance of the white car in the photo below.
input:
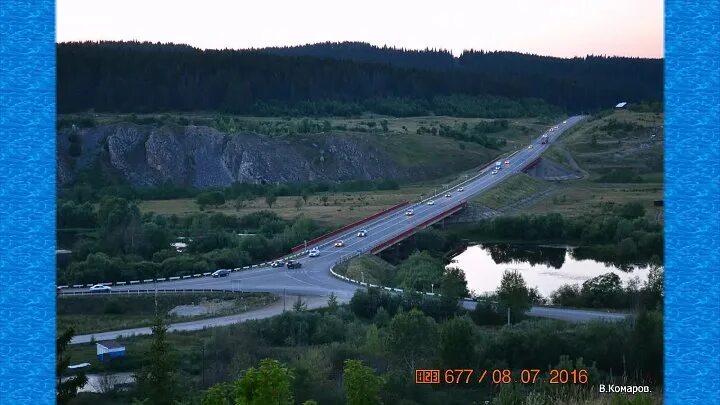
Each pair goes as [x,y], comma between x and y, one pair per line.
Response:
[530,147]
[494,172]
[448,195]
[461,189]
[339,243]
[564,122]
[431,202]
[314,253]
[507,163]
[100,287]
[362,233]
[409,212]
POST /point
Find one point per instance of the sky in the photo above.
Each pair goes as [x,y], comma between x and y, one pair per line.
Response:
[564,28]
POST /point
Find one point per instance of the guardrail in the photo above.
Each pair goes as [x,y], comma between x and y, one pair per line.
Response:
[379,248]
[346,227]
[150,291]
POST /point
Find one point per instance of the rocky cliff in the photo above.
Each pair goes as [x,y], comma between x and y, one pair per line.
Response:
[204,157]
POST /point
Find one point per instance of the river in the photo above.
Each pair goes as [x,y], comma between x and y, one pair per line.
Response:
[543,267]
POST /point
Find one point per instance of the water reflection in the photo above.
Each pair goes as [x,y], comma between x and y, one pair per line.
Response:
[543,267]
[510,253]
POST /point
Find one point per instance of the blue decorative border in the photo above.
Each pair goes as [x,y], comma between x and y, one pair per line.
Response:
[27,202]
[27,206]
[692,209]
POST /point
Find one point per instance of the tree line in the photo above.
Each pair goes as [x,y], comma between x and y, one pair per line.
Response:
[616,233]
[121,244]
[145,77]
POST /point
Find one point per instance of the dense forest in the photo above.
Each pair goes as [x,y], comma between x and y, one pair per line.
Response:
[145,77]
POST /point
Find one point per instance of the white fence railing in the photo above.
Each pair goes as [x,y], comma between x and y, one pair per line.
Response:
[150,291]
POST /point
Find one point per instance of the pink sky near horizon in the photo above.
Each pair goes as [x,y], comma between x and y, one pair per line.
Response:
[563,28]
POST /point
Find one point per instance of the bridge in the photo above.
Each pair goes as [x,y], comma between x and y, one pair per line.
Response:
[384,229]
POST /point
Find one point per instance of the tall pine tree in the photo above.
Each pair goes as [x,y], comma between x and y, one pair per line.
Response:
[157,380]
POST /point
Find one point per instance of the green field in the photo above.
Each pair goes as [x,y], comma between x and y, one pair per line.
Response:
[577,197]
[339,209]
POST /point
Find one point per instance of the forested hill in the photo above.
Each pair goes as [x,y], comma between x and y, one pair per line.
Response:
[364,52]
[144,77]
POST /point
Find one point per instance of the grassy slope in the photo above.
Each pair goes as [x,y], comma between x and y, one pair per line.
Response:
[514,189]
[623,150]
[370,268]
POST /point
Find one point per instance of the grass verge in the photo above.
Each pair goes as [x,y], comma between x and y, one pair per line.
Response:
[88,314]
[516,188]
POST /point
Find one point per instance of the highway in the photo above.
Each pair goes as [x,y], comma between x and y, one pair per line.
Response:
[315,278]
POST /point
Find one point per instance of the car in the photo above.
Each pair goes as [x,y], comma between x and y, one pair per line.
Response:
[409,212]
[461,189]
[100,287]
[494,172]
[448,195]
[530,147]
[362,233]
[220,273]
[292,264]
[564,122]
[314,253]
[431,202]
[277,263]
[339,243]
[507,162]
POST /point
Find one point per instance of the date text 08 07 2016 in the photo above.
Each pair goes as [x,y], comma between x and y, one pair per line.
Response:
[500,376]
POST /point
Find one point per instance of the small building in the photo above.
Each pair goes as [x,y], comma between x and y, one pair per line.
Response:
[109,349]
[621,105]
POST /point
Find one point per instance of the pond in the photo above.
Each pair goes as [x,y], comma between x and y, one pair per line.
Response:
[106,382]
[543,267]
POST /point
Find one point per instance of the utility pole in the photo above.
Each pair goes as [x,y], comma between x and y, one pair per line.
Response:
[508,315]
[203,364]
[156,305]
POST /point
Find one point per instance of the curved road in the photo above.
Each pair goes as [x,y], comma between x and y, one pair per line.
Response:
[315,279]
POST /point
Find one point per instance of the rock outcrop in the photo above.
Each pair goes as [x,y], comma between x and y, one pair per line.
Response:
[204,157]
